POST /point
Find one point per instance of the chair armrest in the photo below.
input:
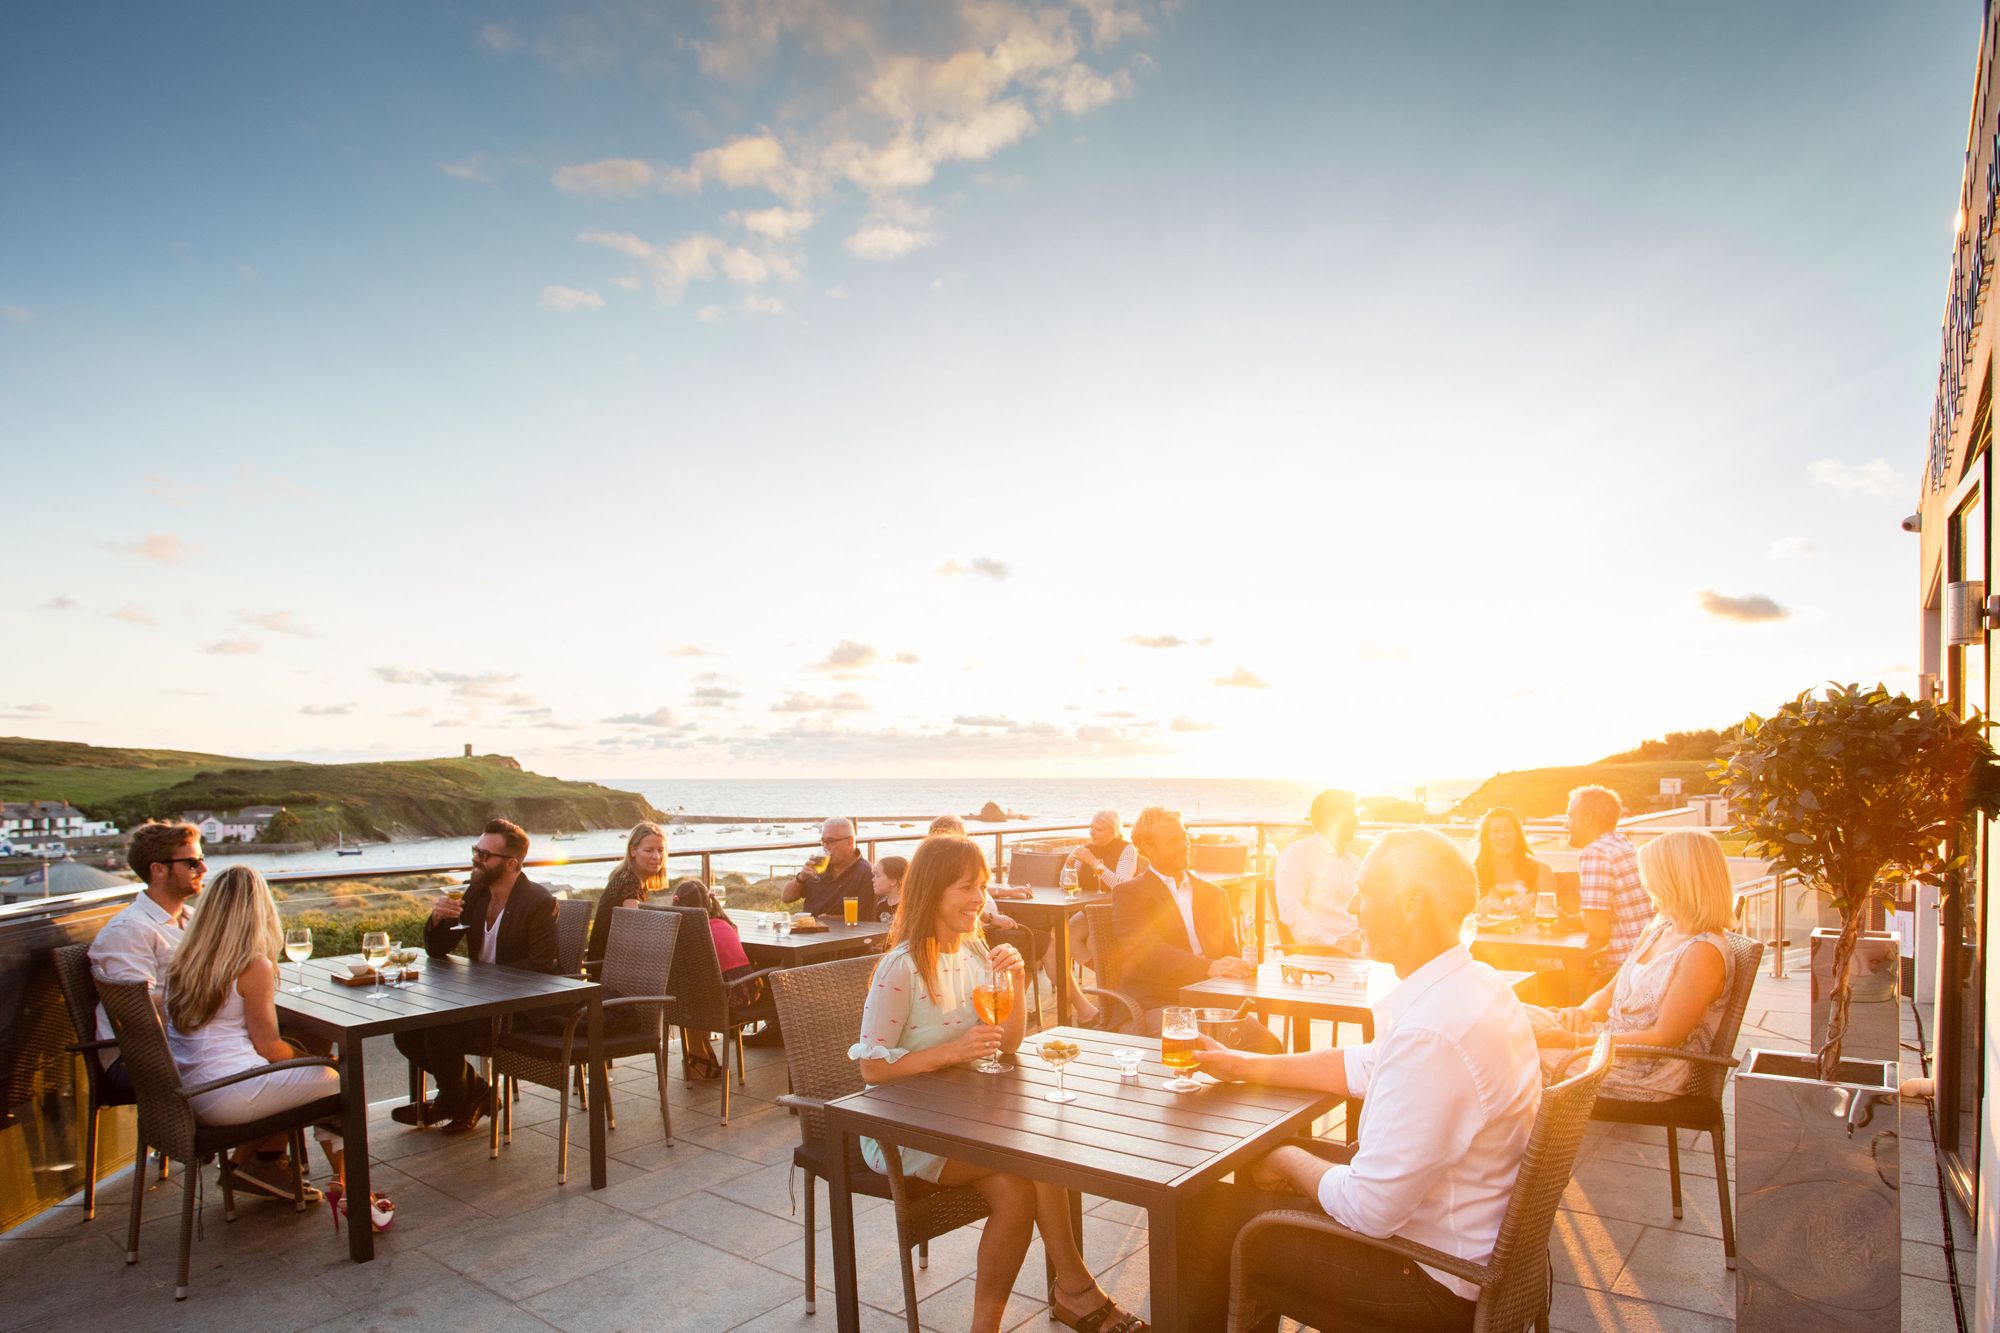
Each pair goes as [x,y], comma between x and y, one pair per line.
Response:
[302,1062]
[1133,1012]
[758,975]
[94,1044]
[1619,1052]
[592,966]
[638,999]
[798,1101]
[1302,1220]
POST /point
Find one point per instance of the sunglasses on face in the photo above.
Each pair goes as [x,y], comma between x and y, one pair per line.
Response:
[200,861]
[481,854]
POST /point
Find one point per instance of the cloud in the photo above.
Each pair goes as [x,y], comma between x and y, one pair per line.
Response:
[168,490]
[258,487]
[880,240]
[558,297]
[847,701]
[693,650]
[693,258]
[753,304]
[982,720]
[1166,641]
[132,615]
[1790,548]
[24,712]
[1386,652]
[608,178]
[907,659]
[237,647]
[709,314]
[1193,724]
[659,717]
[277,622]
[465,685]
[985,567]
[1243,678]
[328,710]
[713,696]
[165,548]
[1743,610]
[846,656]
[499,37]
[59,602]
[17,314]
[1875,479]
[776,224]
[835,293]
[479,169]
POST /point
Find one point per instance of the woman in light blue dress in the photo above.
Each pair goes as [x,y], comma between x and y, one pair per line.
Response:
[918,1018]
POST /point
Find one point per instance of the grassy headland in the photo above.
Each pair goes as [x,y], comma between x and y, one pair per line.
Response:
[1634,774]
[403,798]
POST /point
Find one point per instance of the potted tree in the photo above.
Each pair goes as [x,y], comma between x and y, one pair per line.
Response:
[1853,790]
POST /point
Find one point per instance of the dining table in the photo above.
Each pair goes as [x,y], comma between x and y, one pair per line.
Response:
[444,990]
[767,946]
[1124,1138]
[1047,907]
[1565,961]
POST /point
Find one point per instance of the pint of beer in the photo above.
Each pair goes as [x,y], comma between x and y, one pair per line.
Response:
[1178,1039]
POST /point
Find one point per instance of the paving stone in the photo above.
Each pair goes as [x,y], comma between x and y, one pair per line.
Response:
[513,1257]
[1580,1310]
[1927,1307]
[689,1289]
[1920,1260]
[1640,1194]
[685,1169]
[449,1305]
[1672,1268]
[1590,1251]
[727,1225]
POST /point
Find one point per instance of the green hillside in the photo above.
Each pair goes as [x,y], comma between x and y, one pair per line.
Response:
[405,798]
[1535,792]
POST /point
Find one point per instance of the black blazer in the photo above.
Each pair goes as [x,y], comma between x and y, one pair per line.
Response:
[527,932]
[1159,958]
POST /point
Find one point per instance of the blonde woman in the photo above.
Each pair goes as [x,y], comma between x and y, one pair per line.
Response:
[640,875]
[1671,989]
[222,1018]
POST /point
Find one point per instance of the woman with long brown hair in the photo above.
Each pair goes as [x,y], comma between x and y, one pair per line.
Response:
[919,1016]
[1510,875]
[641,874]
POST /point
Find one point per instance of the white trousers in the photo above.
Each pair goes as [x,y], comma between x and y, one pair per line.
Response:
[255,1098]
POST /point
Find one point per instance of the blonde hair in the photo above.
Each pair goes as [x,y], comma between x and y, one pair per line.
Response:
[1601,802]
[1152,824]
[627,875]
[238,921]
[1686,874]
[1434,865]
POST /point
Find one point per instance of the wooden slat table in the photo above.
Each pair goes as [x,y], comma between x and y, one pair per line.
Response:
[1126,1139]
[1050,909]
[447,990]
[1566,962]
[767,948]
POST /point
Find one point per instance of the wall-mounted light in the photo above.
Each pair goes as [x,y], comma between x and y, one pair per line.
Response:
[1914,523]
[1965,613]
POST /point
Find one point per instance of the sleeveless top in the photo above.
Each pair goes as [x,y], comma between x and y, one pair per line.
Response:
[1087,876]
[217,1048]
[1635,1006]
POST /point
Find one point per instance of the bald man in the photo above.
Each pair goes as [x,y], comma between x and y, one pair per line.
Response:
[1451,1090]
[847,875]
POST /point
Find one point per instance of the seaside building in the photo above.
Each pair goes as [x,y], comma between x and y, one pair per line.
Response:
[37,821]
[245,825]
[1957,955]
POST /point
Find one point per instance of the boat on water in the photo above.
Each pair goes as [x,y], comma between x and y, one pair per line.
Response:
[340,847]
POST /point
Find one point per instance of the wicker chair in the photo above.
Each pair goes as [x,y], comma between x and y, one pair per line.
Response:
[1108,961]
[819,1008]
[1700,1107]
[79,991]
[703,1001]
[1514,1284]
[637,963]
[572,934]
[167,1120]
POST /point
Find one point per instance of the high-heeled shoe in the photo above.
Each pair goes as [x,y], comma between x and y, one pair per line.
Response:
[381,1208]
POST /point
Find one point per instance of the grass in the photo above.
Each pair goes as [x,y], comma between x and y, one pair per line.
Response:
[1537,792]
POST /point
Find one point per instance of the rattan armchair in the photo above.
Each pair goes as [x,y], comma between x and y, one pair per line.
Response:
[572,934]
[167,1120]
[1514,1284]
[819,1008]
[703,1001]
[1700,1107]
[1108,963]
[637,962]
[79,992]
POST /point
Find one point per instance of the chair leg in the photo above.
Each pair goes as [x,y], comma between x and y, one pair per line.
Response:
[492,1108]
[610,1108]
[924,1253]
[660,1078]
[1674,1168]
[726,1044]
[507,1108]
[562,1137]
[90,1164]
[299,1163]
[1722,1196]
[228,1176]
[188,1183]
[139,1165]
[739,1059]
[166,1165]
[812,1235]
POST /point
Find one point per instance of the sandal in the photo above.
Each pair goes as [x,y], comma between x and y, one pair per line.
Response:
[273,1180]
[381,1208]
[1106,1318]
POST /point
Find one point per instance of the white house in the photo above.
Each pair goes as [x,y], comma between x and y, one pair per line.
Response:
[36,821]
[245,825]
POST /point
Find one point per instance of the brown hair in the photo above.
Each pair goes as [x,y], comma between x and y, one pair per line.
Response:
[1487,864]
[939,863]
[512,836]
[155,841]
[895,867]
[948,826]
[694,893]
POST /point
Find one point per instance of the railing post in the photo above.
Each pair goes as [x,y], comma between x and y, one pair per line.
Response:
[1778,940]
[999,851]
[707,873]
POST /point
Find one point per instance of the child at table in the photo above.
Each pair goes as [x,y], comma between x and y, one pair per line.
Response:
[698,1048]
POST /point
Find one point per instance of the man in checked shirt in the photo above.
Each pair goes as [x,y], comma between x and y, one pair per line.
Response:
[1615,906]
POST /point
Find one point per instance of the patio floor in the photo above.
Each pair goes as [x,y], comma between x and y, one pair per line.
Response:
[701,1236]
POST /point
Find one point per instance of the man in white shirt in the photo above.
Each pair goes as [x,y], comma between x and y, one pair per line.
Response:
[1317,878]
[1451,1087]
[138,944]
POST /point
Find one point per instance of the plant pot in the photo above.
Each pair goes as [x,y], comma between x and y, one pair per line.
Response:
[1819,1221]
[1874,1027]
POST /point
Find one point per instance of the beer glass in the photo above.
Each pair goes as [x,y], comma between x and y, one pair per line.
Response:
[1178,1038]
[1071,886]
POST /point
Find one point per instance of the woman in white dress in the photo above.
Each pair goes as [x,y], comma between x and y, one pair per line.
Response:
[222,1018]
[919,1017]
[1671,990]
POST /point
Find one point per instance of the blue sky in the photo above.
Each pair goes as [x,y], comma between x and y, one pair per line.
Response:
[1365,393]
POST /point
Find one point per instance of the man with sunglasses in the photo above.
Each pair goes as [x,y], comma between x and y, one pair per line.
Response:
[138,944]
[505,919]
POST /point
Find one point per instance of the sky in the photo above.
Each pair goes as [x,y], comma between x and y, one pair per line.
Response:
[1369,393]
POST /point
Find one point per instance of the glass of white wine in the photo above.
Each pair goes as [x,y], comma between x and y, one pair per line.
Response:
[298,948]
[375,948]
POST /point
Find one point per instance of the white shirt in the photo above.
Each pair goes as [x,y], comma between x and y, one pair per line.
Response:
[1451,1085]
[489,944]
[136,945]
[1316,885]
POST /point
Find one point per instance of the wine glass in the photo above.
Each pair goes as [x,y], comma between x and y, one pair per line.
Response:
[1071,886]
[1059,1052]
[375,948]
[1178,1038]
[298,948]
[992,1000]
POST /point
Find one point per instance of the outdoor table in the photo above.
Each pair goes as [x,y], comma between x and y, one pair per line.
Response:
[447,990]
[1050,908]
[1565,961]
[1357,986]
[1125,1139]
[767,948]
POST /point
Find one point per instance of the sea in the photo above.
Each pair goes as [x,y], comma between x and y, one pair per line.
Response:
[771,811]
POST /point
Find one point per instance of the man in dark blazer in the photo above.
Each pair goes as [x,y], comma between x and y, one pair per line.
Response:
[505,919]
[1175,929]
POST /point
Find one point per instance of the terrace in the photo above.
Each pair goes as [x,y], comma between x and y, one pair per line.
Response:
[702,1235]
